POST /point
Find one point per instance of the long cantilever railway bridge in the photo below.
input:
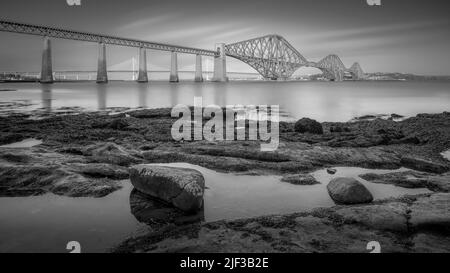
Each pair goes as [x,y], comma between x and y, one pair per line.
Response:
[271,55]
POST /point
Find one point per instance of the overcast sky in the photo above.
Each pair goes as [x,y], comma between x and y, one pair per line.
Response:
[398,36]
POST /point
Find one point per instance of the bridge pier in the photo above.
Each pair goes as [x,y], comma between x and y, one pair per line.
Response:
[102,73]
[143,75]
[220,66]
[46,69]
[198,68]
[174,68]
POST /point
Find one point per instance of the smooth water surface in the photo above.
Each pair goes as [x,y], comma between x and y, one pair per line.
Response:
[324,101]
[26,143]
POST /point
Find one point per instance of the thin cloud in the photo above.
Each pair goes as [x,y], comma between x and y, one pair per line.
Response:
[376,31]
[147,22]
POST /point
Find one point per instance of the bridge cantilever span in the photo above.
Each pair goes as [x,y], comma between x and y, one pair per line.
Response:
[274,58]
[271,55]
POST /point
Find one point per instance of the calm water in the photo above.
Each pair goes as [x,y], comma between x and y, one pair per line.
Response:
[46,223]
[26,143]
[324,101]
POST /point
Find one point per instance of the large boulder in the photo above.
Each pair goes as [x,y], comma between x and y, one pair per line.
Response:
[306,125]
[346,190]
[181,187]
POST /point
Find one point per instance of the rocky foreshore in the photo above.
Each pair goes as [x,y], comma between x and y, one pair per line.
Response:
[409,224]
[89,154]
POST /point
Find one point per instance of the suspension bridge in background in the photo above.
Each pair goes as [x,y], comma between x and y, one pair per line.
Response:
[272,56]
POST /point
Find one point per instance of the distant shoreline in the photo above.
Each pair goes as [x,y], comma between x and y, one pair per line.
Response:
[237,80]
[378,76]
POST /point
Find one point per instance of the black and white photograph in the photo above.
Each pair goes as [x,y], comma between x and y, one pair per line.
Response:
[260,127]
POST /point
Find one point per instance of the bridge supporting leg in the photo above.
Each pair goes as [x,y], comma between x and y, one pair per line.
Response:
[198,68]
[102,73]
[174,68]
[220,65]
[47,70]
[143,76]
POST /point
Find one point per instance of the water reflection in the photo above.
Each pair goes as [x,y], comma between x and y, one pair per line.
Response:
[318,100]
[101,97]
[153,212]
[142,95]
[46,97]
[173,94]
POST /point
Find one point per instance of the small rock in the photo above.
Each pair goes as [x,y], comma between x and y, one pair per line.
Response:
[148,147]
[115,124]
[119,124]
[396,116]
[331,171]
[306,125]
[366,117]
[336,129]
[181,187]
[300,179]
[346,190]
[339,129]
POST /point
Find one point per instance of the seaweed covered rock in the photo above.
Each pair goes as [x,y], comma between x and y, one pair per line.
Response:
[346,190]
[181,187]
[306,125]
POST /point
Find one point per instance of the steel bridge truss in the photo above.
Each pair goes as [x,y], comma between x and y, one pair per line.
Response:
[333,69]
[356,71]
[7,26]
[272,56]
